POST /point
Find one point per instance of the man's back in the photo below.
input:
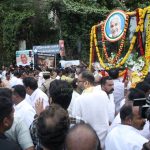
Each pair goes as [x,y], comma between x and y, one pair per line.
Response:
[124,137]
[38,94]
[25,111]
[19,132]
[92,108]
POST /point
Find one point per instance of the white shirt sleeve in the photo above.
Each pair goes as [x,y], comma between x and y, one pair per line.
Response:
[19,132]
[76,109]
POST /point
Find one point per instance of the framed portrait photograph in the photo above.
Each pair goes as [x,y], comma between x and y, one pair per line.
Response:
[24,57]
[114,25]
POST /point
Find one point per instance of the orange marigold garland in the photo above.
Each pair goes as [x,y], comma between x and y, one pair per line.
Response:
[112,61]
[91,48]
[140,41]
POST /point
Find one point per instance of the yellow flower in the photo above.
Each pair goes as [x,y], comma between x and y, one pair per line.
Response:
[140,27]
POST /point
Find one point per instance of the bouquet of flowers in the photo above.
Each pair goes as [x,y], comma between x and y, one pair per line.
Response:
[133,62]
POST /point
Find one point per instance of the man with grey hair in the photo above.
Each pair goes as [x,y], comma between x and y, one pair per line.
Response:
[115,26]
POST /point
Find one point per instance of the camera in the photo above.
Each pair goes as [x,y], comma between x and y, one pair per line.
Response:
[144,104]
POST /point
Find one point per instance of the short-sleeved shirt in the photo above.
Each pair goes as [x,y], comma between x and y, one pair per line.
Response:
[19,132]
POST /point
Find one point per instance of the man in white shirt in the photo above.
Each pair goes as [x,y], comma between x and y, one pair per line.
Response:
[7,81]
[118,88]
[40,79]
[75,94]
[19,132]
[22,107]
[91,106]
[34,92]
[59,74]
[4,70]
[107,85]
[126,136]
[15,80]
[132,94]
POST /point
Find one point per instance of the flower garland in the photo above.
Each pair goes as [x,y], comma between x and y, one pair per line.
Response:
[122,61]
[147,52]
[91,48]
[121,44]
[122,73]
[140,41]
[128,53]
[97,49]
[139,28]
[147,47]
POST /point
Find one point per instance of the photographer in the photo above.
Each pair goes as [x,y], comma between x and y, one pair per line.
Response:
[122,137]
[132,94]
[145,87]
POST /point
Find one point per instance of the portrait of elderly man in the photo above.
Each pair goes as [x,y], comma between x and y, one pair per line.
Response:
[115,26]
[24,59]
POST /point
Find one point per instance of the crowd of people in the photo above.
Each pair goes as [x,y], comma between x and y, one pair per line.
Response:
[72,109]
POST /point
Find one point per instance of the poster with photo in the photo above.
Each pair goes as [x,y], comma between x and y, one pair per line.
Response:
[46,61]
[24,57]
[45,56]
[114,25]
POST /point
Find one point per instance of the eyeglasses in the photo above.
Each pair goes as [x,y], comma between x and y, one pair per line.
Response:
[80,81]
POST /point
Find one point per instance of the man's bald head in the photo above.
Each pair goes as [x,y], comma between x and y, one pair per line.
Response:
[82,137]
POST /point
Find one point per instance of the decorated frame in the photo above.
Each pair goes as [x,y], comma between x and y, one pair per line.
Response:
[117,61]
[114,25]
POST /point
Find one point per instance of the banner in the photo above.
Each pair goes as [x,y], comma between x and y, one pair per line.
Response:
[65,64]
[24,57]
[62,48]
[45,56]
[46,49]
[44,61]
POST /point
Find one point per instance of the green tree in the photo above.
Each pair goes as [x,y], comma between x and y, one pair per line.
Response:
[47,21]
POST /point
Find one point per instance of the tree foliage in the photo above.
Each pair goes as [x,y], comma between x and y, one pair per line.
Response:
[72,20]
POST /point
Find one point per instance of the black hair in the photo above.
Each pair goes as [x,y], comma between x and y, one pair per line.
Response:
[135,93]
[20,90]
[52,127]
[58,71]
[61,93]
[104,80]
[126,111]
[66,71]
[146,146]
[144,86]
[6,92]
[88,76]
[15,73]
[7,73]
[30,82]
[113,73]
[80,69]
[72,130]
[46,76]
[74,83]
[6,107]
